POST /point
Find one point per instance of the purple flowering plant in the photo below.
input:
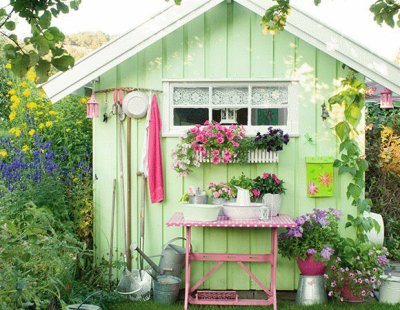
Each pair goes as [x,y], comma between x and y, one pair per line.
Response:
[316,234]
[357,267]
[273,140]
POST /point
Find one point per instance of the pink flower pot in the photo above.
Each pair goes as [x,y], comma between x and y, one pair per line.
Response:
[310,267]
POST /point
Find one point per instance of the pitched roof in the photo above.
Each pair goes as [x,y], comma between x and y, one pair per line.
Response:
[173,17]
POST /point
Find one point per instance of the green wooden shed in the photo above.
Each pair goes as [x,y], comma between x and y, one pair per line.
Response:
[204,45]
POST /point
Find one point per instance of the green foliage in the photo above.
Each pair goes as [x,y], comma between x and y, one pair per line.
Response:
[242,181]
[268,183]
[36,262]
[386,11]
[274,19]
[383,187]
[44,47]
[351,97]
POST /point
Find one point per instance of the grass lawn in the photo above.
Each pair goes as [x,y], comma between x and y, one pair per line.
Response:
[284,305]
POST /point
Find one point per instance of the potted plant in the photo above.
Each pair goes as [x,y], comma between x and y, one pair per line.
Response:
[243,182]
[312,241]
[270,187]
[273,140]
[221,192]
[355,270]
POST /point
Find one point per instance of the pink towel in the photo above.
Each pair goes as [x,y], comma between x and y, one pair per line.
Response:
[156,178]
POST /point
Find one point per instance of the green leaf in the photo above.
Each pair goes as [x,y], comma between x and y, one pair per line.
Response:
[55,34]
[3,13]
[33,58]
[317,2]
[41,44]
[346,169]
[353,191]
[362,164]
[75,4]
[63,63]
[20,64]
[353,114]
[342,130]
[9,51]
[62,7]
[42,70]
[10,25]
[45,20]
[337,163]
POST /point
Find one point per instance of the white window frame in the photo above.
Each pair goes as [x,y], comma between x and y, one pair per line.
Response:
[292,127]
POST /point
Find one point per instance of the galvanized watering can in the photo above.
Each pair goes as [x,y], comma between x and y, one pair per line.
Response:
[172,258]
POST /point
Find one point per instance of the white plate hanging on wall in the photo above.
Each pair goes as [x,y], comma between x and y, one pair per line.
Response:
[135,104]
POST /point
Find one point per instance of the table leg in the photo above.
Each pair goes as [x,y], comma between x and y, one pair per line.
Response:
[187,266]
[274,248]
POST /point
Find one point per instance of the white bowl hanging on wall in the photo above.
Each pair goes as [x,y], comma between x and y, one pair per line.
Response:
[135,104]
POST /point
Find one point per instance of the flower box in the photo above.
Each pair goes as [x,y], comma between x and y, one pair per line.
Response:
[257,156]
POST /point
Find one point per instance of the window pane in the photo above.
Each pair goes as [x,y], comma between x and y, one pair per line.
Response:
[266,117]
[241,116]
[188,116]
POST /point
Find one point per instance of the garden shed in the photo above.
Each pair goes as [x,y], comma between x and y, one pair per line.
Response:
[201,47]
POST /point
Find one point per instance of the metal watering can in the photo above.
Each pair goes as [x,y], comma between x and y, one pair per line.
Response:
[172,258]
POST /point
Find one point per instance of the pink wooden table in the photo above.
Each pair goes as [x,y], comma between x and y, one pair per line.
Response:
[230,297]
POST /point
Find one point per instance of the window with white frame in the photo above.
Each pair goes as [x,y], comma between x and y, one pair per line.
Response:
[256,105]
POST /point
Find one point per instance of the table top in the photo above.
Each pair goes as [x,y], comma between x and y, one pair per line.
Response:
[282,220]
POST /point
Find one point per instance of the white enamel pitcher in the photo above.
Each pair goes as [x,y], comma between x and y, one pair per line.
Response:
[243,197]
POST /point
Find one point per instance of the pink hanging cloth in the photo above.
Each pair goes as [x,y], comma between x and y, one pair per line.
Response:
[156,178]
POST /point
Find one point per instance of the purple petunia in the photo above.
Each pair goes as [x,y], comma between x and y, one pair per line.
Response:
[327,252]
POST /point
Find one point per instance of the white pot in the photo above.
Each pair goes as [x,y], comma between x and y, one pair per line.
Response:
[373,235]
[274,202]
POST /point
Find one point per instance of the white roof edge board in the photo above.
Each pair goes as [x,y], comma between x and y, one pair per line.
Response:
[335,45]
[116,51]
[173,17]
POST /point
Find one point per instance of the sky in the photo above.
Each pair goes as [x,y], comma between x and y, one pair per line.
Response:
[350,17]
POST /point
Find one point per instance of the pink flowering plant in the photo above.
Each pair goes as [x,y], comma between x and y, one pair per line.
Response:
[212,141]
[356,267]
[221,190]
[316,234]
[268,183]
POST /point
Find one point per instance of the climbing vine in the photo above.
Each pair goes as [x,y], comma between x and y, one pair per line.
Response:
[351,98]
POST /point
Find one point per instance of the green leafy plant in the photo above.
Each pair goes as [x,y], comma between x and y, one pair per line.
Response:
[316,233]
[242,181]
[352,161]
[268,183]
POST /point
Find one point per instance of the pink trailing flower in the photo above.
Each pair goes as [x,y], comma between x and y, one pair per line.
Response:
[235,144]
[227,156]
[194,129]
[216,160]
[230,135]
[215,153]
[220,140]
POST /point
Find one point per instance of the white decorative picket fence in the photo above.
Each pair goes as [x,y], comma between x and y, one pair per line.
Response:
[254,156]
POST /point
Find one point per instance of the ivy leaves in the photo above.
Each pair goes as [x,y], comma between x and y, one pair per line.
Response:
[44,47]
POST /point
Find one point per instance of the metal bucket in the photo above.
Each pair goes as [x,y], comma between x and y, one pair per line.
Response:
[311,291]
[390,291]
[172,258]
[166,289]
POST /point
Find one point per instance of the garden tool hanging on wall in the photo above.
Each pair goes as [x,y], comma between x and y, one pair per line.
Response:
[128,284]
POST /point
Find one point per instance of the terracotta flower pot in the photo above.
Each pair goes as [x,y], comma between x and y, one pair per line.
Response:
[348,295]
[310,267]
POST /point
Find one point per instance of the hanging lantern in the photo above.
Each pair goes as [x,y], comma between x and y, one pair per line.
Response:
[92,107]
[386,99]
[325,113]
[228,116]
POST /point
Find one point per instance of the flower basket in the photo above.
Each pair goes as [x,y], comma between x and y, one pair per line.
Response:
[310,267]
[254,156]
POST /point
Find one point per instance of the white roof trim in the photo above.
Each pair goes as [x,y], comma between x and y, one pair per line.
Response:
[335,45]
[173,17]
[125,46]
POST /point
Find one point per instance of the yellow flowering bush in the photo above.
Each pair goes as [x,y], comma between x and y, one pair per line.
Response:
[389,157]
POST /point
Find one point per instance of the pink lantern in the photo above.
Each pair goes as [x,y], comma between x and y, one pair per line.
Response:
[386,99]
[92,107]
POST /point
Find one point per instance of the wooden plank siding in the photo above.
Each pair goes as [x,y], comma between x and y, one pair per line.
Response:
[226,42]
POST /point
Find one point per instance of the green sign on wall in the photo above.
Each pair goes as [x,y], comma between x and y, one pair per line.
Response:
[319,176]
